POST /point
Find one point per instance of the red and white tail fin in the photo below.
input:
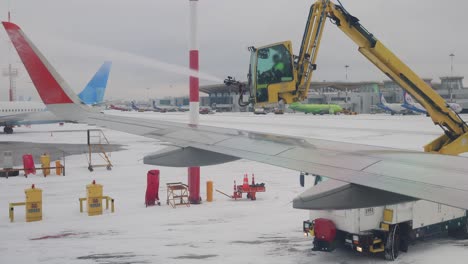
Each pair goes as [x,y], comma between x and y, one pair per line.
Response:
[52,88]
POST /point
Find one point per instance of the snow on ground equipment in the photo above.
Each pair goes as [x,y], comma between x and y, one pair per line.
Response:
[97,143]
[33,205]
[177,194]
[94,197]
[250,189]
[29,167]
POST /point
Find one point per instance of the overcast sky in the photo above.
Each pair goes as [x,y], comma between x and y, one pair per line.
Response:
[147,40]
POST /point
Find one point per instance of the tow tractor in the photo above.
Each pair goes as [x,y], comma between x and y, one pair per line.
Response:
[276,74]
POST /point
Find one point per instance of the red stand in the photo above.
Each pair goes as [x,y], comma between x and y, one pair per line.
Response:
[152,188]
[28,165]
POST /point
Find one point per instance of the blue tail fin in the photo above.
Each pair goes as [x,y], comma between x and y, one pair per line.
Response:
[405,98]
[382,99]
[134,107]
[94,91]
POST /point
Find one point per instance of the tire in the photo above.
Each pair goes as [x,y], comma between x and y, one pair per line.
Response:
[8,130]
[392,245]
[463,232]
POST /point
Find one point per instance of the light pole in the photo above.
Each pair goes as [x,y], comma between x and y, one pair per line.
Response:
[451,76]
[346,71]
[451,64]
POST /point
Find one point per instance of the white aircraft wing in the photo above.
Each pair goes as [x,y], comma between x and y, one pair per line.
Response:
[432,177]
[370,176]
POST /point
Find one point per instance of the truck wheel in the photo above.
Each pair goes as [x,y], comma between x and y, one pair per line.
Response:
[464,231]
[460,232]
[392,247]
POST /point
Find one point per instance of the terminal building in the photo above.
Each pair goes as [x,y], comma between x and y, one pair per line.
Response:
[360,97]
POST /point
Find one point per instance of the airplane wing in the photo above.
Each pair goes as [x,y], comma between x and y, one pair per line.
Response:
[371,175]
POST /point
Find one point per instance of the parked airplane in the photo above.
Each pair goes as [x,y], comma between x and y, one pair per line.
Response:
[316,109]
[120,108]
[372,176]
[164,108]
[184,108]
[141,108]
[27,113]
[392,108]
[410,104]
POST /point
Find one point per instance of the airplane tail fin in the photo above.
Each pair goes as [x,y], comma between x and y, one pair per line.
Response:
[52,88]
[94,91]
[134,107]
[382,99]
[407,99]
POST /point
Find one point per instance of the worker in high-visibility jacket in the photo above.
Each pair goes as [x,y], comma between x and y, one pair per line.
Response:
[278,68]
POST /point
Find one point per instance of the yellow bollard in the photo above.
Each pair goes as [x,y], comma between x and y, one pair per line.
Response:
[107,202]
[81,203]
[94,198]
[45,163]
[33,204]
[58,167]
[209,191]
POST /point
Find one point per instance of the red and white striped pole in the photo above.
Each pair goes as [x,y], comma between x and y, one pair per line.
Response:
[194,65]
[194,172]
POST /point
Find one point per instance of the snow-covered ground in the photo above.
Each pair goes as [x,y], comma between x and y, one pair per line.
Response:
[267,230]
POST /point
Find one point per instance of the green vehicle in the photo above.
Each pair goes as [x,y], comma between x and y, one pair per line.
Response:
[316,109]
